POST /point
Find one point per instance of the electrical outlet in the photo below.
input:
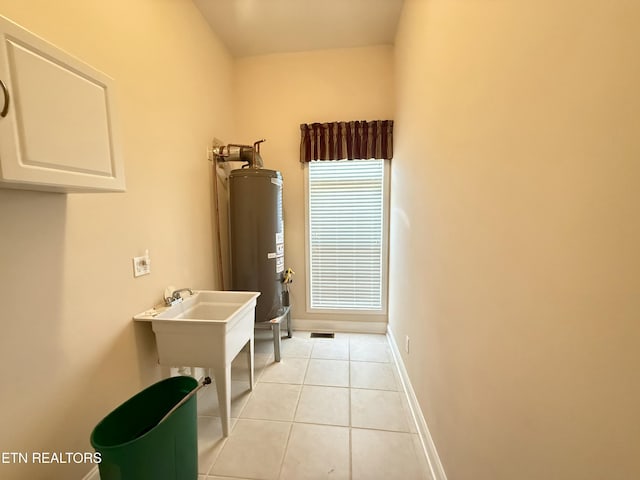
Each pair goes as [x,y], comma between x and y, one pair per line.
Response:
[406,343]
[142,265]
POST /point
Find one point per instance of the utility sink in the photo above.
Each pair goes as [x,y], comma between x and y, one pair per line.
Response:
[207,329]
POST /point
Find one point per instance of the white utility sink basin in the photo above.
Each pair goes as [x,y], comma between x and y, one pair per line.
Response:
[207,329]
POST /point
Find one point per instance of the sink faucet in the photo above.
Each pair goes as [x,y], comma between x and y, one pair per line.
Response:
[176,295]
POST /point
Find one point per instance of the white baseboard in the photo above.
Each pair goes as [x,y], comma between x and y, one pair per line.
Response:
[435,466]
[94,474]
[339,326]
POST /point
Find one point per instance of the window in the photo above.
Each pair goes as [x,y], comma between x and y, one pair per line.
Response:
[347,236]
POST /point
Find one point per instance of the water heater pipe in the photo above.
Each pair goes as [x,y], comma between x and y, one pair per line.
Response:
[235,152]
[219,237]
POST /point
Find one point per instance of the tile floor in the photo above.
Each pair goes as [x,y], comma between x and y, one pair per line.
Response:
[331,409]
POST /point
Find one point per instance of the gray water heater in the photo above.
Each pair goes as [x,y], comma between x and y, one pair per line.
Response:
[256,233]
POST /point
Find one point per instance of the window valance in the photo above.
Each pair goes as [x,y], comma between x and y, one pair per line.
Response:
[346,140]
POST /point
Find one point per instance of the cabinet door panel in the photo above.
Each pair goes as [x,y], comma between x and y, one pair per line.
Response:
[63,126]
[60,132]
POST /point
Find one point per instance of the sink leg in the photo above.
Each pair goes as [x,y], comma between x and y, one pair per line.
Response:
[251,363]
[223,386]
[276,341]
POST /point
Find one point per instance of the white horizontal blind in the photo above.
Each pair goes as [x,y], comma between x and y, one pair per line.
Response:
[346,234]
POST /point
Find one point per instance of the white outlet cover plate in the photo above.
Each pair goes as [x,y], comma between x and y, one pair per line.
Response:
[141,266]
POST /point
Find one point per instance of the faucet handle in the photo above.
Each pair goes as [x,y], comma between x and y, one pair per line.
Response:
[170,302]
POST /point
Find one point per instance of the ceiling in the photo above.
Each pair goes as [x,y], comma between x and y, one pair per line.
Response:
[261,27]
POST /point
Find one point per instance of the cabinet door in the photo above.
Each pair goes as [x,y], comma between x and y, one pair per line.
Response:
[59,131]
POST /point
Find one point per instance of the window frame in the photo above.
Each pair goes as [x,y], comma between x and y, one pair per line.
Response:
[385,250]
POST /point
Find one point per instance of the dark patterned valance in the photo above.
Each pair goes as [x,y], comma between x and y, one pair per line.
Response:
[346,140]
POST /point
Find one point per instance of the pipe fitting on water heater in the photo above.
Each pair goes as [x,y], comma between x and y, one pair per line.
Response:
[234,152]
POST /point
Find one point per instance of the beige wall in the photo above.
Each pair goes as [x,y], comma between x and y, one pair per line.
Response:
[274,94]
[69,351]
[515,233]
[514,221]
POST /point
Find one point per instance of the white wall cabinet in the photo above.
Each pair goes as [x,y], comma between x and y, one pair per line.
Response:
[58,119]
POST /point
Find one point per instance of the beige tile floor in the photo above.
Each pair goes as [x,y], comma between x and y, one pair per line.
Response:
[331,409]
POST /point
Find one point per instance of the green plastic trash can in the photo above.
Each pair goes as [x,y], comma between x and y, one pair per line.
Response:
[134,446]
